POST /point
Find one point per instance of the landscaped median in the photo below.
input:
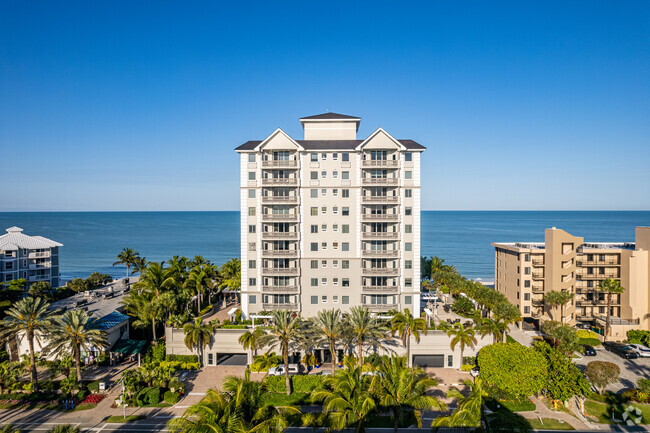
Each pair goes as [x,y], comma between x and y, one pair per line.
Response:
[119,419]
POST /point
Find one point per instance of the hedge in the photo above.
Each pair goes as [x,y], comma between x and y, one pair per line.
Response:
[178,365]
[636,336]
[148,396]
[300,384]
[93,386]
[182,358]
[172,397]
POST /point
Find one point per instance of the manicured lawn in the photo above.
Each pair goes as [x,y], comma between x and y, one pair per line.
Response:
[121,419]
[549,424]
[603,411]
[589,341]
[509,339]
[513,406]
[84,406]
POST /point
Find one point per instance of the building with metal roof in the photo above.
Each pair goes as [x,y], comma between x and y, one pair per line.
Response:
[33,258]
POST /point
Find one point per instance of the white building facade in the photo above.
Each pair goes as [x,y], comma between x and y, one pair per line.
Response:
[33,258]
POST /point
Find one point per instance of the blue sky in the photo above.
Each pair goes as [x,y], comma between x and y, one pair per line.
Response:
[139,105]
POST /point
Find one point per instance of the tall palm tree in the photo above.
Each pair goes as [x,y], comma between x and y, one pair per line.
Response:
[139,265]
[559,298]
[210,414]
[507,314]
[145,307]
[403,390]
[254,340]
[73,332]
[128,257]
[491,327]
[265,361]
[463,337]
[364,328]
[610,286]
[329,323]
[9,428]
[197,335]
[200,279]
[231,275]
[346,399]
[178,268]
[406,325]
[284,331]
[29,318]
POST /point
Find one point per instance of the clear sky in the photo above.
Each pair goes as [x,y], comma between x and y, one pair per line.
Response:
[126,105]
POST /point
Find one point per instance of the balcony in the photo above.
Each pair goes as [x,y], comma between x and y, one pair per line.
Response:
[280,253]
[538,289]
[280,289]
[380,181]
[37,266]
[380,217]
[34,278]
[582,261]
[381,307]
[280,271]
[290,307]
[538,261]
[280,199]
[380,253]
[380,271]
[382,289]
[280,164]
[279,217]
[537,302]
[538,275]
[379,198]
[279,181]
[586,276]
[39,255]
[380,235]
[379,163]
[280,235]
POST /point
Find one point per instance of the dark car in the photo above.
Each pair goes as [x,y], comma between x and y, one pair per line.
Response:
[622,350]
[588,350]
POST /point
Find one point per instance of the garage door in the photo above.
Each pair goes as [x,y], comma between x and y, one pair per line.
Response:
[429,360]
[232,359]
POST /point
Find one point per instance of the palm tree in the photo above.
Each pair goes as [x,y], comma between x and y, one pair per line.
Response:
[406,325]
[462,336]
[559,298]
[199,279]
[197,335]
[139,265]
[284,331]
[128,257]
[73,332]
[145,307]
[329,323]
[29,318]
[254,340]
[364,328]
[507,314]
[610,286]
[9,428]
[347,400]
[231,275]
[266,361]
[64,428]
[210,414]
[403,390]
[491,327]
[178,268]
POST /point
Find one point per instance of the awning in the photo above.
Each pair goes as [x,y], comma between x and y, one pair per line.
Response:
[129,347]
[232,311]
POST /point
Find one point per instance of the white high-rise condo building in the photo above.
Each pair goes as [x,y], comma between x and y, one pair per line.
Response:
[330,221]
[33,258]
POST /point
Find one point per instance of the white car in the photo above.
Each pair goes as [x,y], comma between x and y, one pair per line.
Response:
[641,350]
[279,370]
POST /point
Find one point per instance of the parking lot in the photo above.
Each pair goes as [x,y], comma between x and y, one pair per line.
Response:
[631,369]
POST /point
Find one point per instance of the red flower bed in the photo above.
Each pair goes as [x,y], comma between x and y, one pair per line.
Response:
[93,398]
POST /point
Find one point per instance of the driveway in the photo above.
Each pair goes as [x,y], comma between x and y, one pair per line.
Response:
[631,369]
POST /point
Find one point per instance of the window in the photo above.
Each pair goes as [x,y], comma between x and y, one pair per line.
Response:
[526,270]
[408,228]
[251,228]
[335,299]
[345,300]
[345,211]
[314,300]
[323,245]
[335,174]
[408,264]
[527,283]
[345,193]
[251,193]
[251,211]
[345,157]
[408,246]
[323,227]
[408,300]
[335,281]
[335,227]
[526,257]
[323,174]
[408,211]
[408,157]
[345,282]
[335,245]
[335,156]
[210,358]
[408,175]
[314,246]
[314,193]
[335,264]
[408,282]
[335,192]
[252,246]
[323,210]
[324,299]
[345,175]
[517,282]
[601,257]
[323,192]
[314,264]
[526,296]
[345,228]
[251,157]
[314,157]
[314,228]
[314,175]
[450,360]
[252,282]
[601,310]
[601,271]
[408,193]
[345,246]
[323,281]
[252,299]
[335,210]
[314,282]
[251,175]
[526,309]
[323,156]
[345,264]
[314,211]
[251,264]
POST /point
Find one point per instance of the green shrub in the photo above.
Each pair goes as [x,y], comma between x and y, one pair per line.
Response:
[206,310]
[93,386]
[275,384]
[637,336]
[466,367]
[471,360]
[82,394]
[463,306]
[182,358]
[589,341]
[155,354]
[306,383]
[153,396]
[172,397]
[233,326]
[176,385]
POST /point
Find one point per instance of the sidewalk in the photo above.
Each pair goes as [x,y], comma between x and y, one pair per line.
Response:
[542,411]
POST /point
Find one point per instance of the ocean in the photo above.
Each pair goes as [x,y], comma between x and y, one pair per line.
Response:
[92,239]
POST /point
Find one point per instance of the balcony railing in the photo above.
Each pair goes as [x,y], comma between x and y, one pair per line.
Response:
[380,181]
[538,289]
[39,255]
[33,278]
[279,181]
[538,275]
[37,266]
[282,199]
[380,217]
[279,271]
[380,198]
[280,289]
[538,262]
[290,253]
[380,288]
[381,307]
[271,306]
[382,253]
[380,163]
[280,164]
[279,217]
[380,235]
[537,302]
[586,276]
[279,235]
[380,271]
[606,262]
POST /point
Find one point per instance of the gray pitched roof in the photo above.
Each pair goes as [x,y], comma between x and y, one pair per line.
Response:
[330,144]
[15,239]
[330,116]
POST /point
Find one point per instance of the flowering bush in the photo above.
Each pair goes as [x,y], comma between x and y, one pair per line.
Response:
[93,398]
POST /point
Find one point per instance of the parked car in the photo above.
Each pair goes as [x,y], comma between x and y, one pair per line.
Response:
[641,350]
[622,350]
[583,325]
[279,370]
[588,350]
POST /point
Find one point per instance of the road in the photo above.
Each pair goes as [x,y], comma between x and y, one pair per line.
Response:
[631,369]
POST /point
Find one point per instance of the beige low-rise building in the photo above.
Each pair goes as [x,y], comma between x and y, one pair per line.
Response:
[525,271]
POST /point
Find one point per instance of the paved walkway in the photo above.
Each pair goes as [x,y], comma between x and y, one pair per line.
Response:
[542,411]
[521,337]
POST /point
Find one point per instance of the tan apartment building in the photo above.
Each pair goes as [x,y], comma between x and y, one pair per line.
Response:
[330,221]
[525,271]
